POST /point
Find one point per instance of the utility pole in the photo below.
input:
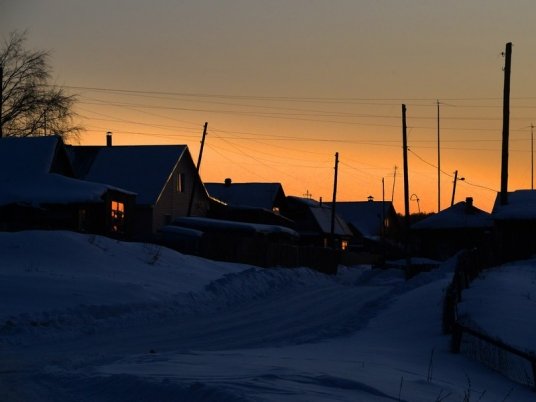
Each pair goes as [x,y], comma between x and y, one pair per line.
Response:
[405,155]
[531,156]
[394,181]
[454,186]
[334,202]
[197,169]
[406,189]
[438,164]
[506,124]
[1,100]
[383,207]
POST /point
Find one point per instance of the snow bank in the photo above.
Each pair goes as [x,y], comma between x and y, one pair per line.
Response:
[86,318]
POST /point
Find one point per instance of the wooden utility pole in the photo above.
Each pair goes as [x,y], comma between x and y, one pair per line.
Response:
[438,164]
[194,184]
[506,124]
[454,188]
[405,155]
[383,207]
[394,181]
[531,156]
[406,189]
[334,202]
[1,100]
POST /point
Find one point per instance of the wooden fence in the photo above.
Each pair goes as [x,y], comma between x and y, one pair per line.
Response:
[518,365]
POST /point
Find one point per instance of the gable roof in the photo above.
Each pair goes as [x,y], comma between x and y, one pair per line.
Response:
[143,169]
[23,156]
[521,205]
[459,216]
[258,195]
[365,216]
[322,215]
[25,174]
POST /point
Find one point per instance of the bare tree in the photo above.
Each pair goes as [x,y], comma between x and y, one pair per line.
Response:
[30,106]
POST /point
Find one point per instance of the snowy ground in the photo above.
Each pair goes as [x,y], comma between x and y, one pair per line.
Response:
[85,318]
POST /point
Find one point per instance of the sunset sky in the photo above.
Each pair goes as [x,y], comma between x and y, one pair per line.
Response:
[284,85]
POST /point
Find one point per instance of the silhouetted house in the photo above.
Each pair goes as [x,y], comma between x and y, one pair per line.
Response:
[455,228]
[249,202]
[259,195]
[515,225]
[162,176]
[370,221]
[38,191]
[313,222]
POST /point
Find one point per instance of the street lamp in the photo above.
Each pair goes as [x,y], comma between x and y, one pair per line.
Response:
[416,199]
[456,178]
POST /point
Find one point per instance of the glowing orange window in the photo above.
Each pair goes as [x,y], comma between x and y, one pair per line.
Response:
[118,216]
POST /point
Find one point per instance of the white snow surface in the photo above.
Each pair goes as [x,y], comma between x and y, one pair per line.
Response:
[86,318]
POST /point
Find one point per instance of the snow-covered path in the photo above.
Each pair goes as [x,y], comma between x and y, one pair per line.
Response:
[187,329]
[285,307]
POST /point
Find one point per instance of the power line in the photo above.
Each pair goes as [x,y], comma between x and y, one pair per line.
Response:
[278,98]
[448,174]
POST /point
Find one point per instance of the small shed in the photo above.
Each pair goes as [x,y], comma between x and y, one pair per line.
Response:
[258,244]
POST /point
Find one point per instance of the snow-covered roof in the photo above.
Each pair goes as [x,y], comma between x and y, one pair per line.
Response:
[143,169]
[25,177]
[322,214]
[364,216]
[304,201]
[204,224]
[521,205]
[259,195]
[50,188]
[23,156]
[323,217]
[458,216]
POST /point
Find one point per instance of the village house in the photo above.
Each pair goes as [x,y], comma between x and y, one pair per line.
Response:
[375,228]
[249,202]
[38,191]
[515,225]
[164,178]
[370,221]
[461,226]
[313,221]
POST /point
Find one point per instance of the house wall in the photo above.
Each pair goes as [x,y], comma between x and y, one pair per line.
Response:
[175,197]
[515,239]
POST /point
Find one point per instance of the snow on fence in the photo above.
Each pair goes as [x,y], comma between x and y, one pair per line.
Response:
[513,363]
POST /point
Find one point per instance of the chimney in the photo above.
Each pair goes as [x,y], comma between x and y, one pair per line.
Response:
[469,205]
[228,182]
[320,202]
[109,139]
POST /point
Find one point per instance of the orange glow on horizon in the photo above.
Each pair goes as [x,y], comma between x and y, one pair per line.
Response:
[300,154]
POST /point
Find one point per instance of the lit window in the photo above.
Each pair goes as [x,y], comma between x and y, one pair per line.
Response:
[118,217]
[344,245]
